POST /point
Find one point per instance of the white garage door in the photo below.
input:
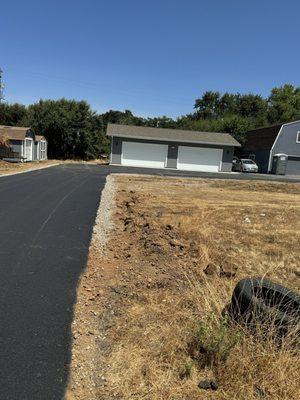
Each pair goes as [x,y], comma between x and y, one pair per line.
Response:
[199,159]
[144,154]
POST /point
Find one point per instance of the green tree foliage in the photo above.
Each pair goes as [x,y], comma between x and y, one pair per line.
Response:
[284,104]
[120,117]
[71,128]
[214,106]
[12,114]
[208,106]
[161,122]
[237,113]
[236,126]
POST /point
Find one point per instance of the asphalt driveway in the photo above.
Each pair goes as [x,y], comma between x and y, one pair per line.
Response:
[206,175]
[46,220]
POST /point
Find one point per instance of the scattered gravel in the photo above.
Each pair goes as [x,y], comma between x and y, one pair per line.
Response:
[104,222]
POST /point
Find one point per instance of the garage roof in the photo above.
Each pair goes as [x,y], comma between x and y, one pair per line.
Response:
[171,135]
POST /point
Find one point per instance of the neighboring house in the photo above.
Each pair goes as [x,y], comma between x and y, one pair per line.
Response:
[264,143]
[171,148]
[23,142]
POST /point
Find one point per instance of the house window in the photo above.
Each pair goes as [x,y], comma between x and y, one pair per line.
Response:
[298,137]
[43,149]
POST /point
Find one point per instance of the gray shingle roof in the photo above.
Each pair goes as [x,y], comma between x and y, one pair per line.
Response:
[171,135]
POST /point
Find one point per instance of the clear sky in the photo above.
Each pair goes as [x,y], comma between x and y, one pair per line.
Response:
[152,57]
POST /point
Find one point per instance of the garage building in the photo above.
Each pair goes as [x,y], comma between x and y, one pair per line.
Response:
[139,146]
[264,144]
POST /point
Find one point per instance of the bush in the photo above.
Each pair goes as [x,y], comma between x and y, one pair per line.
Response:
[213,339]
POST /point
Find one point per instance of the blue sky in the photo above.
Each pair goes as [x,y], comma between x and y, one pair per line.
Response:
[152,57]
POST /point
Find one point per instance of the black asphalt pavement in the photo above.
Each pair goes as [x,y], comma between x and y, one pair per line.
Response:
[193,174]
[46,220]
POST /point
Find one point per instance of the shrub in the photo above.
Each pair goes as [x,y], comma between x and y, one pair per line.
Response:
[213,339]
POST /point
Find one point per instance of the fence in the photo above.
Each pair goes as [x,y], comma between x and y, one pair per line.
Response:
[6,152]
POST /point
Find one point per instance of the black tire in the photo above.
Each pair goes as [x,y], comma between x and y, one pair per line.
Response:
[261,297]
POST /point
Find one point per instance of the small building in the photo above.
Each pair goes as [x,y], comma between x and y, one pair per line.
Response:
[140,146]
[24,144]
[264,145]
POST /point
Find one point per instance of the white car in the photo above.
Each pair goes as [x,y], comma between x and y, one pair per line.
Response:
[245,165]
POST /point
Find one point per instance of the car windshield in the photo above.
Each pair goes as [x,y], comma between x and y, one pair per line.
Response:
[248,162]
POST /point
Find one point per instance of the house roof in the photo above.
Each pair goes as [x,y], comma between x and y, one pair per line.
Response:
[16,133]
[13,132]
[171,135]
[262,138]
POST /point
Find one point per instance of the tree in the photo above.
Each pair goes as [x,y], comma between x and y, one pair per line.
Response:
[71,128]
[120,117]
[208,106]
[214,106]
[161,122]
[12,114]
[284,104]
[252,106]
[229,104]
[236,126]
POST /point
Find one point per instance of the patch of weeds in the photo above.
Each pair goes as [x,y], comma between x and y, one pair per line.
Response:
[186,370]
[213,339]
[270,238]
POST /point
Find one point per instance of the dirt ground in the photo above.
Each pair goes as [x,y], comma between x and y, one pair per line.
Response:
[139,297]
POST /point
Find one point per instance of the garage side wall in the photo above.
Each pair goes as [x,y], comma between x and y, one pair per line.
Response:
[286,143]
[116,151]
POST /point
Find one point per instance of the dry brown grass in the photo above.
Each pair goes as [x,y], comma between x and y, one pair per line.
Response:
[246,362]
[168,231]
[4,142]
[9,167]
[156,355]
